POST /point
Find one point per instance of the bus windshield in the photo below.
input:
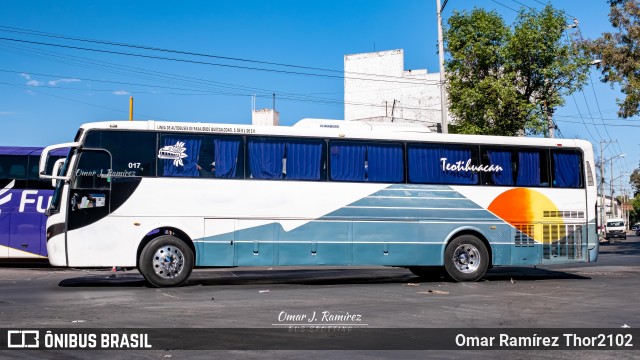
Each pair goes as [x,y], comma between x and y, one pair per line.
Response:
[57,192]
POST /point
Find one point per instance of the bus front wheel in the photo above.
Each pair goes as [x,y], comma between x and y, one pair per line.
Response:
[466,258]
[166,261]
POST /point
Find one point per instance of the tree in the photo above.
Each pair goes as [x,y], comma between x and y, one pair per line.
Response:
[634,180]
[620,54]
[504,81]
[634,215]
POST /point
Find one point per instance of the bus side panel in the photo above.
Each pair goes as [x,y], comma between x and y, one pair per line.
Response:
[124,234]
[255,243]
[25,234]
[219,249]
[392,243]
[549,223]
[21,221]
[313,243]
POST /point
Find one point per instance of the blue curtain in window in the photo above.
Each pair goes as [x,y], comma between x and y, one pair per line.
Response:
[385,163]
[226,157]
[180,156]
[347,161]
[502,159]
[566,170]
[457,176]
[303,160]
[426,166]
[528,168]
[265,158]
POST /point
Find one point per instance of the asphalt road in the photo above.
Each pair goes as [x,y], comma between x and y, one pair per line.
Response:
[599,295]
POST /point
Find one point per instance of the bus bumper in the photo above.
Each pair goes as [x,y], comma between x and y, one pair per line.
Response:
[57,250]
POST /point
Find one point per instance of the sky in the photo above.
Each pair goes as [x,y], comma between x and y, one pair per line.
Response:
[50,83]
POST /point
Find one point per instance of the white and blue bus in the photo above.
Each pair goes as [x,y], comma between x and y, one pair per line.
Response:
[166,197]
[24,197]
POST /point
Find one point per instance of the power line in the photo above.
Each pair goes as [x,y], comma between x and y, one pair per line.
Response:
[144,47]
[166,77]
[612,125]
[379,77]
[583,120]
[285,96]
[135,72]
[541,3]
[523,5]
[30,88]
[508,7]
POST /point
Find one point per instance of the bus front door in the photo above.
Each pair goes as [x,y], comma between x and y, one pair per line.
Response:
[89,205]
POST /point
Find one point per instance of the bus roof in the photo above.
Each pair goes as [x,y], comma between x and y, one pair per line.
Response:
[333,129]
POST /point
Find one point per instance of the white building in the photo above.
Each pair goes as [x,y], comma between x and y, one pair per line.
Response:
[609,211]
[378,88]
[265,117]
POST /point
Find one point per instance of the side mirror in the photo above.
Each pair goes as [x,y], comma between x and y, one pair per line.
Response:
[57,166]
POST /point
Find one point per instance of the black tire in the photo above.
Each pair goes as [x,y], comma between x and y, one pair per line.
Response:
[166,261]
[429,272]
[466,258]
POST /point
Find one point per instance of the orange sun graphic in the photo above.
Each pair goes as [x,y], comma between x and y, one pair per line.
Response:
[524,209]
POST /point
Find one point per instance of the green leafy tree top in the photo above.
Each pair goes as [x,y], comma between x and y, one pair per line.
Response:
[504,81]
[620,54]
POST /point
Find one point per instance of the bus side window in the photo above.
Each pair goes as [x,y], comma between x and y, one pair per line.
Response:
[304,159]
[441,164]
[385,162]
[12,168]
[532,167]
[178,155]
[503,162]
[347,160]
[206,161]
[132,152]
[266,158]
[227,161]
[567,169]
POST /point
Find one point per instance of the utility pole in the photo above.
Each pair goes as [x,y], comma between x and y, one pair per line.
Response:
[443,90]
[613,207]
[550,125]
[601,185]
[601,188]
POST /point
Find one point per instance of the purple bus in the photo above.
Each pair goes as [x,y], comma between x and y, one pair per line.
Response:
[24,198]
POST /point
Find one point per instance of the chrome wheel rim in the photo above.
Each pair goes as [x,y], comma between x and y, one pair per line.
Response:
[168,261]
[466,258]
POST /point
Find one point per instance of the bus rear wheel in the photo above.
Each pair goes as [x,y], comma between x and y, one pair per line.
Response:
[466,258]
[166,261]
